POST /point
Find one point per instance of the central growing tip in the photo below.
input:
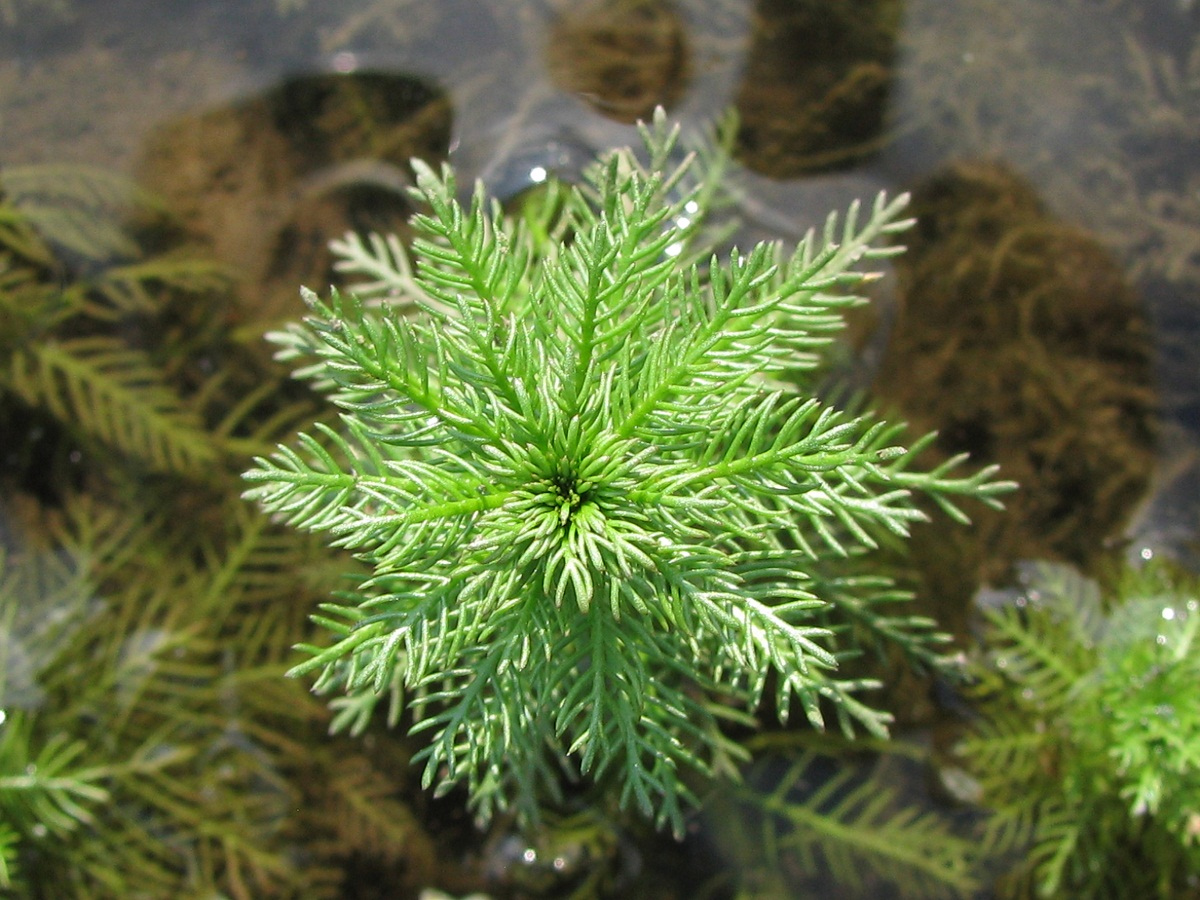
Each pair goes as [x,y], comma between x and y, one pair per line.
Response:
[569,495]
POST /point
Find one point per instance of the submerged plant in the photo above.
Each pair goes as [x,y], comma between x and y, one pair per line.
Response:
[584,458]
[124,764]
[149,745]
[1089,743]
[816,810]
[74,284]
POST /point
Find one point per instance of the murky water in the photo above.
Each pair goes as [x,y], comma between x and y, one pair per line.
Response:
[1046,317]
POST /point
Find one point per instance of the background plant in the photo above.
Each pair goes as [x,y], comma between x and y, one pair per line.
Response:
[595,509]
[1089,742]
[148,743]
[817,813]
[75,287]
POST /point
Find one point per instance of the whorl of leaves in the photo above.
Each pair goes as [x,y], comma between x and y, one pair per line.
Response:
[593,500]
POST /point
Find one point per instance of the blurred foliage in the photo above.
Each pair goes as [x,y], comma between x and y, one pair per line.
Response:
[1089,739]
[149,745]
[133,759]
[74,284]
[818,814]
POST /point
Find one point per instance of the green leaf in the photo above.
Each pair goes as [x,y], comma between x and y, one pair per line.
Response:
[591,501]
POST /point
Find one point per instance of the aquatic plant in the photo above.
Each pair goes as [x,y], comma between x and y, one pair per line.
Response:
[122,767]
[1089,741]
[149,745]
[1060,391]
[583,455]
[816,810]
[70,272]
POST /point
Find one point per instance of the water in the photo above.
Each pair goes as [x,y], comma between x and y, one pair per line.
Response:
[1063,157]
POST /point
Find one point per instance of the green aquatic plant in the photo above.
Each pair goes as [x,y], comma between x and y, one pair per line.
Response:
[74,279]
[149,745]
[583,455]
[118,772]
[1089,740]
[815,810]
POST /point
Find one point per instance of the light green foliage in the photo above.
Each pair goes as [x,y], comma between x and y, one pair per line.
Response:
[8,855]
[1090,742]
[599,510]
